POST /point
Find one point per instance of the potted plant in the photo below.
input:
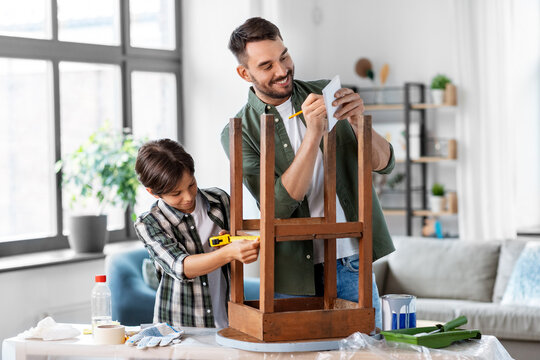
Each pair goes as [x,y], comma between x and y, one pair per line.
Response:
[437,200]
[101,172]
[438,84]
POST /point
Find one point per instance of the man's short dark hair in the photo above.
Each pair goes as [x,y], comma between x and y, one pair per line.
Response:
[254,29]
[161,164]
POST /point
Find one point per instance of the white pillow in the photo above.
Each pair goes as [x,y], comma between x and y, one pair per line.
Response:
[524,285]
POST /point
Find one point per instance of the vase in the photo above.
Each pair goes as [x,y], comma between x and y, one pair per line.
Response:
[450,95]
[437,203]
[452,202]
[437,96]
[87,233]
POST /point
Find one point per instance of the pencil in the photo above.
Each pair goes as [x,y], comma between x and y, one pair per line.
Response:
[293,115]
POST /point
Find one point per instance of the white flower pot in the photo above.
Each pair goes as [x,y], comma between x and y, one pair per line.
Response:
[437,95]
[437,203]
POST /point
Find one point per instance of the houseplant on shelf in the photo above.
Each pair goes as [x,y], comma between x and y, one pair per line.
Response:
[437,200]
[438,84]
[100,173]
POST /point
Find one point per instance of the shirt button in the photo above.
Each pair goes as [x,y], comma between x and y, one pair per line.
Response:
[308,256]
[193,227]
[276,120]
[204,284]
[285,145]
[268,107]
[208,311]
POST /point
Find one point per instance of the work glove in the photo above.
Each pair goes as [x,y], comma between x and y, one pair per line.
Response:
[161,334]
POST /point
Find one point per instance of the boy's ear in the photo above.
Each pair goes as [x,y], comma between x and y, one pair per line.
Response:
[243,72]
[152,193]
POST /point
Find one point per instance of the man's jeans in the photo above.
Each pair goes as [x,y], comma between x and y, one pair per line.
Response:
[347,284]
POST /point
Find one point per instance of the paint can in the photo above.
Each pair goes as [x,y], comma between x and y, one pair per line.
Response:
[398,311]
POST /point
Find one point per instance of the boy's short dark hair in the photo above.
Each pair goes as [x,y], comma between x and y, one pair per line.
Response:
[253,29]
[161,164]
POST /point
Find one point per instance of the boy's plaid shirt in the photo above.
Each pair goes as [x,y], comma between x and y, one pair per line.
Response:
[170,236]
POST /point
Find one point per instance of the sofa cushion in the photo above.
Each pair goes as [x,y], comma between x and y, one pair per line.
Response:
[510,251]
[448,269]
[502,321]
[524,284]
[439,310]
[380,268]
[149,274]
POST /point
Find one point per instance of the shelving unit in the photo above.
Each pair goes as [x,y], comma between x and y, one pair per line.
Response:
[410,106]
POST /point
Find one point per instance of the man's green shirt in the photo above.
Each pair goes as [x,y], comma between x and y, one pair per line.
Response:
[294,268]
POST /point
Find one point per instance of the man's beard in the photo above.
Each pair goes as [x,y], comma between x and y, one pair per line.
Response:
[267,90]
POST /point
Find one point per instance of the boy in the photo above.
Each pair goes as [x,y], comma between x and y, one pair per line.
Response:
[194,280]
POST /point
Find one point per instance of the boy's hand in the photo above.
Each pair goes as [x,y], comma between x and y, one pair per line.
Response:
[245,251]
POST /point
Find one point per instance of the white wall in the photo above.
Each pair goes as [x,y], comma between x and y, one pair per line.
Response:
[60,291]
[211,90]
[324,38]
[413,37]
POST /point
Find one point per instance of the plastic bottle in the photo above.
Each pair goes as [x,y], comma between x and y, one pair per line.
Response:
[101,302]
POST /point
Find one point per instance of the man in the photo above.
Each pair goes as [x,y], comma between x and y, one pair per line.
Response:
[194,278]
[264,61]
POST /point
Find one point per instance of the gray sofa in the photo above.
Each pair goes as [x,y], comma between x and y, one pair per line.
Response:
[456,277]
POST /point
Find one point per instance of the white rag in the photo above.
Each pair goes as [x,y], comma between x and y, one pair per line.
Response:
[48,329]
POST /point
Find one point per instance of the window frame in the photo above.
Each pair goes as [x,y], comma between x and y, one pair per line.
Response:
[129,59]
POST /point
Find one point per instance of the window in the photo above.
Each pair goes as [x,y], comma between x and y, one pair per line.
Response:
[89,94]
[153,93]
[151,24]
[66,68]
[15,20]
[25,144]
[93,22]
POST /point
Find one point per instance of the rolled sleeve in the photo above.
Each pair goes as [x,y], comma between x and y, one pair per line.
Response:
[391,163]
[163,249]
[285,205]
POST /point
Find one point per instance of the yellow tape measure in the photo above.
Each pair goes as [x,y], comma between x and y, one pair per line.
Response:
[227,239]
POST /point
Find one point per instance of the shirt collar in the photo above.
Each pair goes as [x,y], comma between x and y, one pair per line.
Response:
[255,102]
[260,106]
[210,199]
[175,216]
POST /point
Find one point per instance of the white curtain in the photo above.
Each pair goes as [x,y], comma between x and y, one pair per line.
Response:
[527,112]
[488,125]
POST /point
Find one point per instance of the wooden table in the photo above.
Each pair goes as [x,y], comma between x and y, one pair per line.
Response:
[201,344]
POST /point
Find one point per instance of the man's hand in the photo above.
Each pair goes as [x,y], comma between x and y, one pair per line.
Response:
[315,113]
[297,179]
[351,107]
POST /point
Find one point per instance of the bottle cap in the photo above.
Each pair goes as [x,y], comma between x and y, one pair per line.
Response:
[101,278]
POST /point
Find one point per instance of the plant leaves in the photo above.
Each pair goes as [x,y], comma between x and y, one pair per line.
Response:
[102,168]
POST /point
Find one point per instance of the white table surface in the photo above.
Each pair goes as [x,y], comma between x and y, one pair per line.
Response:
[201,344]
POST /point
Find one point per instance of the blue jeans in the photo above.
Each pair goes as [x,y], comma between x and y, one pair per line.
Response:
[347,285]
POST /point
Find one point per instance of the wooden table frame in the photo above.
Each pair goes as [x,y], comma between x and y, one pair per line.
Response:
[306,318]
